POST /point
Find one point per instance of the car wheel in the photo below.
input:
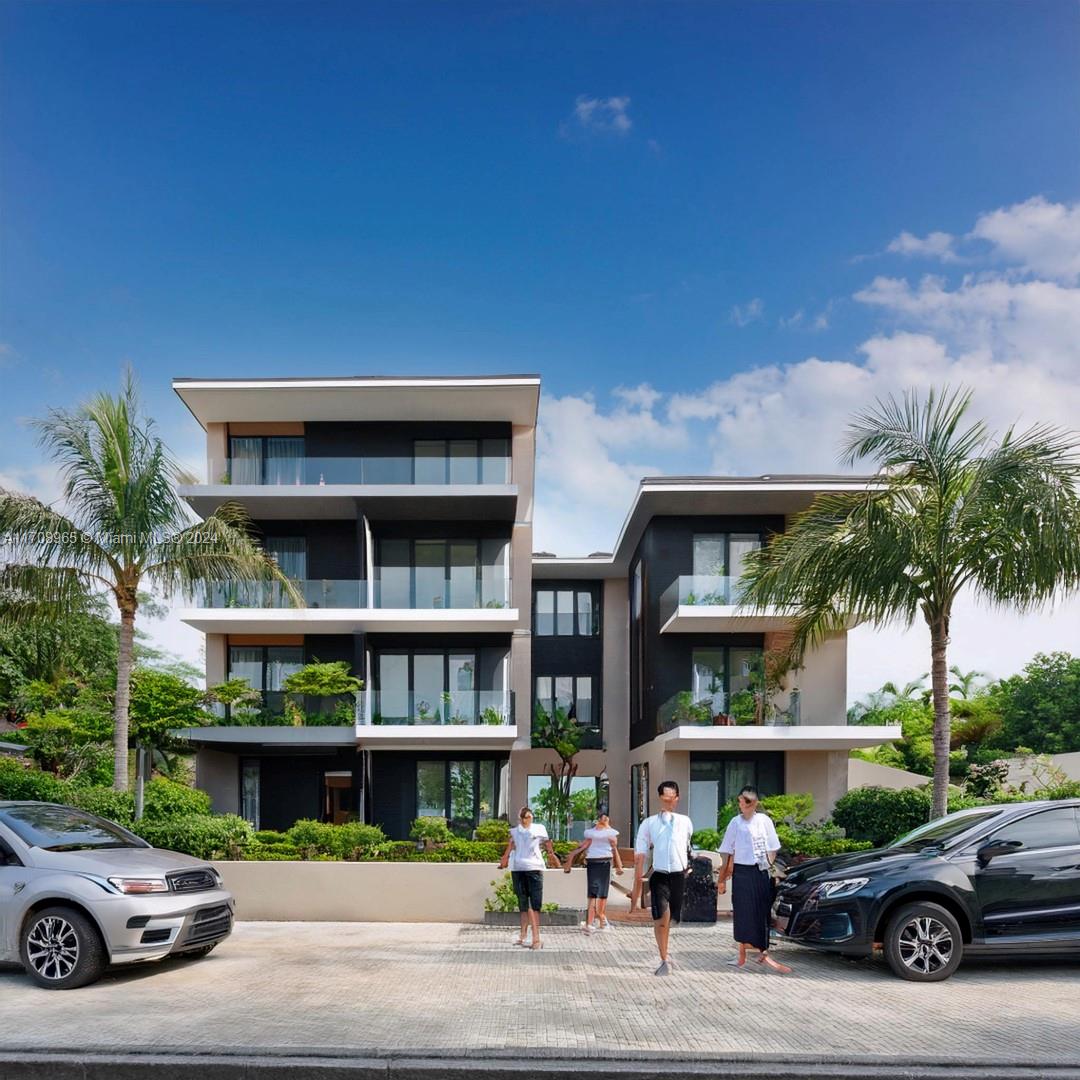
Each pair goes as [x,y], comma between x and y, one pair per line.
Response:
[197,954]
[923,942]
[61,949]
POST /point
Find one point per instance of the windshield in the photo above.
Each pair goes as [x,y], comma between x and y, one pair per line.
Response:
[943,830]
[62,828]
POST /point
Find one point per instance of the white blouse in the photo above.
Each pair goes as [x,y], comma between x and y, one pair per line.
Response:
[751,841]
[527,854]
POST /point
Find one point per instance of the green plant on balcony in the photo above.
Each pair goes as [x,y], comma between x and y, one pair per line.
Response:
[744,707]
[319,680]
[689,711]
[237,696]
[492,716]
[423,712]
[495,604]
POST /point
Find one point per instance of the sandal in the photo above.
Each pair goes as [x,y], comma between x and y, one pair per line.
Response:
[536,945]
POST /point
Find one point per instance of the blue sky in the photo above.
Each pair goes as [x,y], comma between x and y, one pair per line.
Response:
[691,202]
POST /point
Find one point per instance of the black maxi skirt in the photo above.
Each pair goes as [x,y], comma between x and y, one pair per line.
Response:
[751,904]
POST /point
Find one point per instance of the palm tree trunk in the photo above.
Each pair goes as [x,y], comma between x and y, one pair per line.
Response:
[939,675]
[124,661]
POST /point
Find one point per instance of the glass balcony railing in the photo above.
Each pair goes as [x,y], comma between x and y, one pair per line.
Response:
[434,592]
[317,593]
[373,470]
[699,590]
[453,707]
[717,709]
[275,708]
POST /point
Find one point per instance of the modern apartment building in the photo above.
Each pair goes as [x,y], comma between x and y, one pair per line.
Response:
[402,509]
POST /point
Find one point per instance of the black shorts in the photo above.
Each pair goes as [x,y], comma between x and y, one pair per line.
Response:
[599,877]
[529,886]
[667,892]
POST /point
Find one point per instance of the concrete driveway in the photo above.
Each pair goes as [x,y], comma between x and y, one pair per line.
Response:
[463,990]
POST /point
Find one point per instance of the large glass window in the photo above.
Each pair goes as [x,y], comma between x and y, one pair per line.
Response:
[462,461]
[573,694]
[440,573]
[728,678]
[564,821]
[430,686]
[715,783]
[266,459]
[266,667]
[566,612]
[249,792]
[465,791]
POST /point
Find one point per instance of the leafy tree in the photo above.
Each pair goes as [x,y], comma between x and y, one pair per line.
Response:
[1040,708]
[71,743]
[948,510]
[125,528]
[558,732]
[320,680]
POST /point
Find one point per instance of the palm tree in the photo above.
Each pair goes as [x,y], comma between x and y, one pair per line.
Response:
[965,681]
[125,528]
[948,510]
[910,691]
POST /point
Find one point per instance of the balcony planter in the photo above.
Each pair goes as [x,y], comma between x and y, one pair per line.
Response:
[562,917]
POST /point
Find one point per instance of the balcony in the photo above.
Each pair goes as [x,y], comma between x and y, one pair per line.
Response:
[401,488]
[433,605]
[709,722]
[704,603]
[456,719]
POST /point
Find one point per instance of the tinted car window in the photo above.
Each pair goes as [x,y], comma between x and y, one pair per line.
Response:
[1046,829]
[945,829]
[60,827]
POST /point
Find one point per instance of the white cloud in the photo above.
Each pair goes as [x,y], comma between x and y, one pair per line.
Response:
[642,396]
[598,116]
[935,245]
[1043,237]
[748,313]
[1012,336]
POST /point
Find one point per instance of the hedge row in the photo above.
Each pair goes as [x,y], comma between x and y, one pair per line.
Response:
[162,799]
[880,815]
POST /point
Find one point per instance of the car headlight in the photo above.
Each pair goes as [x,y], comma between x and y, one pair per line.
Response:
[836,890]
[139,885]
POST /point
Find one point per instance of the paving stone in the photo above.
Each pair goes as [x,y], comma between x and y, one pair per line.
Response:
[383,990]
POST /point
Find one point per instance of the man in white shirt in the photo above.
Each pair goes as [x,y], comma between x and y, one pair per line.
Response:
[667,835]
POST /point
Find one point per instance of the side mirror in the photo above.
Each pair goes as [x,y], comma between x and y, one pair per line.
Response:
[994,848]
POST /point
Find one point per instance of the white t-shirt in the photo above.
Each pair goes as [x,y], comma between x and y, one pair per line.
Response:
[669,836]
[600,842]
[750,841]
[527,853]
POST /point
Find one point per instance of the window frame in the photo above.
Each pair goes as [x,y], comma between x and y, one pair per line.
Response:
[595,594]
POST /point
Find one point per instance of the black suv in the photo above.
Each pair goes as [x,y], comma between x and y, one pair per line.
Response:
[991,880]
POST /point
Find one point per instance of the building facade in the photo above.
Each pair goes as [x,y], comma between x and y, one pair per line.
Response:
[401,509]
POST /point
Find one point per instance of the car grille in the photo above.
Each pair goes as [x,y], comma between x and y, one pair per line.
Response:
[208,924]
[191,881]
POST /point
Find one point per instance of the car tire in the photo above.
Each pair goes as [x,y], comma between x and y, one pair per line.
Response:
[197,954]
[923,942]
[61,949]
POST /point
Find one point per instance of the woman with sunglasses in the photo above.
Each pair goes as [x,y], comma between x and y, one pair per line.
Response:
[749,847]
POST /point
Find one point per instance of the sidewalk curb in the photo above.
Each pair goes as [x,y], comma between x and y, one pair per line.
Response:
[37,1065]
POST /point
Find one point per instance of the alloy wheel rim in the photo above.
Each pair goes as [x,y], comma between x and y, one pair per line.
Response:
[925,945]
[52,948]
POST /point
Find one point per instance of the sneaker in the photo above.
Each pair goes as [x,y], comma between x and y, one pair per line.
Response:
[587,929]
[606,926]
[663,969]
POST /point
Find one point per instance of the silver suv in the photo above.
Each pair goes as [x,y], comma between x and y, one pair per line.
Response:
[78,893]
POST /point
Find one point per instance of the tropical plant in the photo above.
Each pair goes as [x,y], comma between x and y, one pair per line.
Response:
[1040,707]
[557,731]
[125,527]
[964,686]
[947,511]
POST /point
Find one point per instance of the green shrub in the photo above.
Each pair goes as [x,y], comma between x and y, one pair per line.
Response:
[270,836]
[313,838]
[205,837]
[504,898]
[880,815]
[164,798]
[257,852]
[793,809]
[434,830]
[706,839]
[19,782]
[118,806]
[816,841]
[468,851]
[495,831]
[352,839]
